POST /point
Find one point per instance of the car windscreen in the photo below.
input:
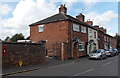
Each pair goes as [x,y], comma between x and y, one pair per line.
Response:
[106,49]
[96,51]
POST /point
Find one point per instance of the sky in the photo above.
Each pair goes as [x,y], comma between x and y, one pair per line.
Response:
[17,15]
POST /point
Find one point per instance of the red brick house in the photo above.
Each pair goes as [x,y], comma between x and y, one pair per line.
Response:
[105,41]
[65,35]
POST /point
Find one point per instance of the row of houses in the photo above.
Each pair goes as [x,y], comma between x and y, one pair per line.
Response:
[68,37]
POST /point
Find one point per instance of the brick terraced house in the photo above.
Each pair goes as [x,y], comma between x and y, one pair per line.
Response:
[105,41]
[66,37]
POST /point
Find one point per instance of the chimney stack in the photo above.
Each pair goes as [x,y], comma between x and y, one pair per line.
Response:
[89,22]
[63,9]
[101,29]
[80,17]
[104,30]
[96,27]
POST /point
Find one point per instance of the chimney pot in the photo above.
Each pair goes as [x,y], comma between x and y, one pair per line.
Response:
[89,22]
[61,5]
[62,9]
[80,17]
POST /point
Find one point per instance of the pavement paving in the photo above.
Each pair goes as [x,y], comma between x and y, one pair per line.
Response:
[49,63]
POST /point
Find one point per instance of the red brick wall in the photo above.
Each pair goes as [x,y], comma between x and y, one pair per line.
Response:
[55,32]
[28,53]
[82,36]
[114,42]
[100,40]
[58,32]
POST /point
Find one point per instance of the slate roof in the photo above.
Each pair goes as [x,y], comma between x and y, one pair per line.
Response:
[56,17]
[60,17]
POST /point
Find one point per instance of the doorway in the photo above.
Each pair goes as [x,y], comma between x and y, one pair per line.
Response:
[75,50]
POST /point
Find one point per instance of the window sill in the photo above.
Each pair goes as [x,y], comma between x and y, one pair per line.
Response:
[81,50]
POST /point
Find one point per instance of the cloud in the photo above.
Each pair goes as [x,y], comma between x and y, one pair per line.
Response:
[69,3]
[101,19]
[112,34]
[5,9]
[25,13]
[89,3]
[30,11]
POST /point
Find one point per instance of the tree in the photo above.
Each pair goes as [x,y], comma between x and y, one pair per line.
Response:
[17,37]
[7,39]
[117,36]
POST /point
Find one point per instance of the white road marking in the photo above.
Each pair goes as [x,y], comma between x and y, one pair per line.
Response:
[83,72]
[106,63]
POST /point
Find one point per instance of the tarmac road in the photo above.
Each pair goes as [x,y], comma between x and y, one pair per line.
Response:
[84,67]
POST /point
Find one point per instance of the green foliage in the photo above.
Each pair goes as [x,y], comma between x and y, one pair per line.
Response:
[17,37]
[7,38]
[117,36]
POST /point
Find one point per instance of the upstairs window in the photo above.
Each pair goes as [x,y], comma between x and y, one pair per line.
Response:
[76,27]
[94,34]
[90,33]
[83,29]
[41,28]
[104,38]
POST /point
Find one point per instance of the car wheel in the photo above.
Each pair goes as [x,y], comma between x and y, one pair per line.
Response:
[111,55]
[105,57]
[101,58]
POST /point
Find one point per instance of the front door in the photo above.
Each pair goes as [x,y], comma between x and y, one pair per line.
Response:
[75,50]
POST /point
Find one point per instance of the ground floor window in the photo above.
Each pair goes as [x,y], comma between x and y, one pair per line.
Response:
[81,46]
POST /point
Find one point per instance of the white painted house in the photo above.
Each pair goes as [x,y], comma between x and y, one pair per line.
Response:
[92,38]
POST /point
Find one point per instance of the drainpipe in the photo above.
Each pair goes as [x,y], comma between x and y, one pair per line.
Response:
[71,39]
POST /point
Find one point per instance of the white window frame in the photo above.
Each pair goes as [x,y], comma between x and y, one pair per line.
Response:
[76,27]
[83,29]
[90,33]
[41,28]
[82,45]
[104,38]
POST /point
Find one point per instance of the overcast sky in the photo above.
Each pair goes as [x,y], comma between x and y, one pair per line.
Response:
[16,15]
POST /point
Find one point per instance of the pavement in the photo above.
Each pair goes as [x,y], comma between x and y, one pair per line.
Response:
[49,63]
[83,67]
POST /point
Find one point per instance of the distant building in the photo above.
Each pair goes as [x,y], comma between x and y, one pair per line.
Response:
[105,41]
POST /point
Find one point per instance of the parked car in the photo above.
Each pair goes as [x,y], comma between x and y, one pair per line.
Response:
[115,51]
[118,50]
[97,54]
[109,52]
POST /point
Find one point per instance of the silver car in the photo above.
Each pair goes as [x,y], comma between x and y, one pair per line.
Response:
[97,54]
[109,52]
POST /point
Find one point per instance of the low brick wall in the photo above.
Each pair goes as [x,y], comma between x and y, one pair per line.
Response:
[14,54]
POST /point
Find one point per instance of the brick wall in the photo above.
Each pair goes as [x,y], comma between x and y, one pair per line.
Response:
[100,40]
[54,33]
[28,53]
[83,37]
